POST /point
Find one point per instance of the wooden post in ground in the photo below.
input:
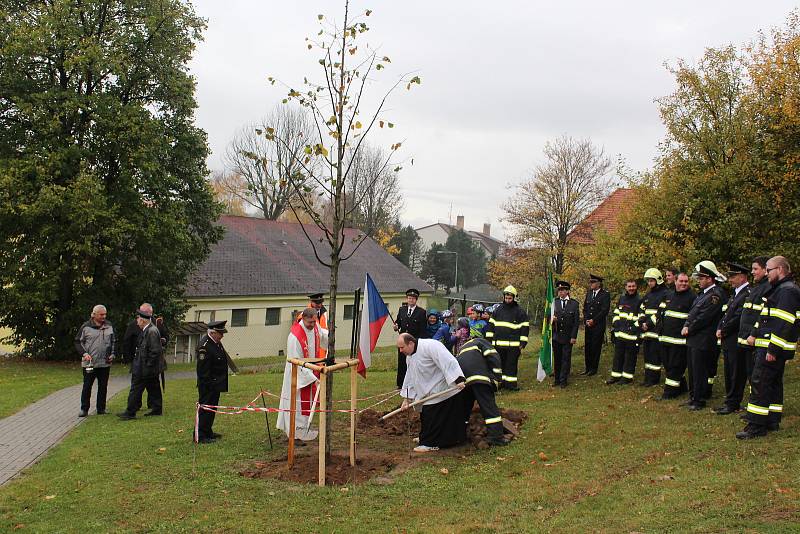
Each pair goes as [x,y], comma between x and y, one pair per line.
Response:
[353,406]
[293,408]
[323,424]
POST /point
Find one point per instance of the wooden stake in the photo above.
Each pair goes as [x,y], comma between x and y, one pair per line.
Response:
[323,423]
[353,405]
[292,408]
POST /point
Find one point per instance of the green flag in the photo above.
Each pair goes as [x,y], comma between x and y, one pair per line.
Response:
[546,352]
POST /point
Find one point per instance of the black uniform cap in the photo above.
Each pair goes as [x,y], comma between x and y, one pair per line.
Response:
[412,292]
[736,268]
[561,284]
[316,297]
[218,326]
[595,278]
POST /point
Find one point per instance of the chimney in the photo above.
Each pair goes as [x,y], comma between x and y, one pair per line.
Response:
[460,222]
[487,229]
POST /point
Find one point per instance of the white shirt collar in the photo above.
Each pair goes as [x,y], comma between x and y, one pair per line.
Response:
[740,288]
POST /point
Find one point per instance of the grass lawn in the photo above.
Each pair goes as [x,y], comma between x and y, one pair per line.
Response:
[615,460]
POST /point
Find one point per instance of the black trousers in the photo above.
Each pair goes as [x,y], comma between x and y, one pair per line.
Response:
[700,363]
[402,367]
[210,396]
[735,368]
[509,359]
[624,364]
[484,394]
[562,361]
[101,374]
[674,357]
[595,336]
[154,399]
[443,424]
[652,361]
[765,407]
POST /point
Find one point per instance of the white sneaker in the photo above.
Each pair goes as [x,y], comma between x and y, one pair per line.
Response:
[425,448]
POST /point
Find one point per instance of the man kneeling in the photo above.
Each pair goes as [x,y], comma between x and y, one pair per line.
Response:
[431,370]
[481,366]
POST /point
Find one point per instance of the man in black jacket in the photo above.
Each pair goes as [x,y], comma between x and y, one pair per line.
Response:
[481,366]
[649,323]
[212,378]
[147,366]
[625,331]
[410,319]
[733,356]
[508,331]
[595,315]
[674,312]
[700,332]
[776,342]
[565,320]
[751,310]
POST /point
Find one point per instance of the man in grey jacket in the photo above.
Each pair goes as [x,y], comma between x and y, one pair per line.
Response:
[95,343]
[146,368]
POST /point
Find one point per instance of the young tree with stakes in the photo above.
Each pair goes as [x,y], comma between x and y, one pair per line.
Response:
[335,106]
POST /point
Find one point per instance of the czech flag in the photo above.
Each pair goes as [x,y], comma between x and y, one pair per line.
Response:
[373,315]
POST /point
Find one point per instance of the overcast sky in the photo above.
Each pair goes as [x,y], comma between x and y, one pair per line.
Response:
[499,79]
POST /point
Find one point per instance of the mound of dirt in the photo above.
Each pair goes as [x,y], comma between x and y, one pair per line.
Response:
[338,471]
[402,424]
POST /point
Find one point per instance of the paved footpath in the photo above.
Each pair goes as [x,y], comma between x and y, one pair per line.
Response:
[28,434]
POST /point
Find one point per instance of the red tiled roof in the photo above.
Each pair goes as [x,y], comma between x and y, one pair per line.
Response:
[605,216]
[261,257]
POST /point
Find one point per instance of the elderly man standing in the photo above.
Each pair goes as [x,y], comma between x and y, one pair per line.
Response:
[212,377]
[147,365]
[95,343]
[305,342]
[431,370]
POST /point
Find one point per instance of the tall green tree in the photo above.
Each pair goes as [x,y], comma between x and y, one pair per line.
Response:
[103,196]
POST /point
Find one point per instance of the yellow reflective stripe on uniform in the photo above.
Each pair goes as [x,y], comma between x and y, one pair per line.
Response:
[747,305]
[650,335]
[651,311]
[513,326]
[501,343]
[672,340]
[509,378]
[711,380]
[758,307]
[786,316]
[489,351]
[765,311]
[489,334]
[627,375]
[676,314]
[623,335]
[782,343]
[652,367]
[724,308]
[474,378]
[492,420]
[777,408]
[662,305]
[616,374]
[741,341]
[523,338]
[497,371]
[467,349]
[628,316]
[758,410]
[762,342]
[672,383]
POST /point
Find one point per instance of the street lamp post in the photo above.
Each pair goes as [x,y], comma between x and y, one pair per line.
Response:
[455,279]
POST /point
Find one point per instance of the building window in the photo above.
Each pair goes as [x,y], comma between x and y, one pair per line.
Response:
[348,312]
[273,316]
[204,316]
[239,317]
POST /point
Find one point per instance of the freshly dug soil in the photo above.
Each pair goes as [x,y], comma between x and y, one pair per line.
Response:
[383,450]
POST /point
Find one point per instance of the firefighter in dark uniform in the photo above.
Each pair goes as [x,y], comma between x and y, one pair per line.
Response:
[751,309]
[565,322]
[413,320]
[775,342]
[212,377]
[508,332]
[674,312]
[700,331]
[625,332]
[733,356]
[595,317]
[482,369]
[649,312]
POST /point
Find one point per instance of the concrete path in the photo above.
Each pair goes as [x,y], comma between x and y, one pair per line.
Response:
[28,434]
